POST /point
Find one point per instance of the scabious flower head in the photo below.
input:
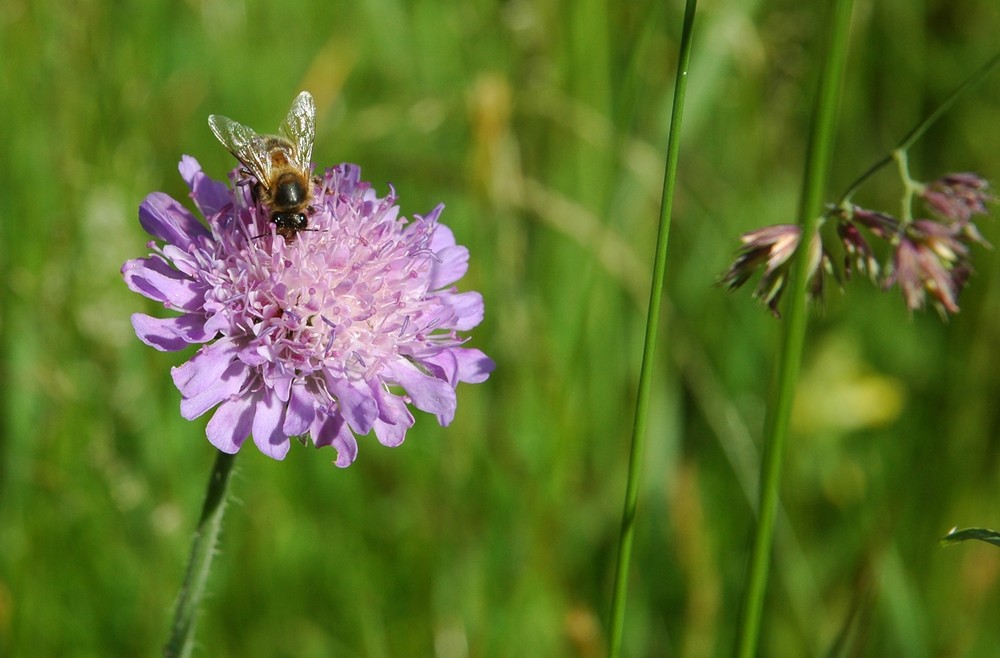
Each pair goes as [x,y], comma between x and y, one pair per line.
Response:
[333,335]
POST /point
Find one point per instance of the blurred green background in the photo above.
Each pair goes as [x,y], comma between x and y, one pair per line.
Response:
[541,125]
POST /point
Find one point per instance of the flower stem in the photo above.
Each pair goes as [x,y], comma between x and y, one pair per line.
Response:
[779,413]
[918,131]
[206,535]
[627,532]
[910,186]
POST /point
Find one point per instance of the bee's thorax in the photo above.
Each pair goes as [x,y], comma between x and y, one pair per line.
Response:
[289,193]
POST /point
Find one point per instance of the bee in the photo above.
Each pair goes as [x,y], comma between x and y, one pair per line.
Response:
[281,164]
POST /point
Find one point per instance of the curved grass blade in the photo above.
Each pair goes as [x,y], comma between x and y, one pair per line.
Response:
[982,534]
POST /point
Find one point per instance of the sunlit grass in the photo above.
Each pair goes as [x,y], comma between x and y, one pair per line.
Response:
[539,125]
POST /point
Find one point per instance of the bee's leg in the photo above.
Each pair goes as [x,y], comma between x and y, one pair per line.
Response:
[317,182]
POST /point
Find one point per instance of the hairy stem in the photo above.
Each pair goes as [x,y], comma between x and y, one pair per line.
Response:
[206,535]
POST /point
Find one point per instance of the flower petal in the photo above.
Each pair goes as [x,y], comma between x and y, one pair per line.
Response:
[153,278]
[166,219]
[474,366]
[210,196]
[333,431]
[212,375]
[428,393]
[268,418]
[391,435]
[391,408]
[467,308]
[462,364]
[230,425]
[444,239]
[394,418]
[451,265]
[170,334]
[356,405]
[301,410]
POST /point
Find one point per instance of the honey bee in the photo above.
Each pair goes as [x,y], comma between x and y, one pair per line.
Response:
[281,164]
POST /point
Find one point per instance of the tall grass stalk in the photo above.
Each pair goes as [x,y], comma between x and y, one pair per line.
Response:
[779,413]
[627,532]
[181,639]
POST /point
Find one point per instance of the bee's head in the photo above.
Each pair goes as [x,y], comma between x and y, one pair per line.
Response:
[290,221]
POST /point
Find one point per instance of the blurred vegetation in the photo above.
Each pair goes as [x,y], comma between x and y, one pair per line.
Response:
[541,126]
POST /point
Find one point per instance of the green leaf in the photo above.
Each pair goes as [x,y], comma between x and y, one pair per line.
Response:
[982,534]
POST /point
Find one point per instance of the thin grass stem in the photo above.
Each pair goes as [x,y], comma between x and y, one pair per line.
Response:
[922,127]
[779,413]
[181,639]
[627,532]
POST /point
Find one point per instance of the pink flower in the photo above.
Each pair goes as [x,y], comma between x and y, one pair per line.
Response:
[333,335]
[772,247]
[928,256]
[958,197]
[931,258]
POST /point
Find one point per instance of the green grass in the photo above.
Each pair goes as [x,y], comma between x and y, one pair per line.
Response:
[542,127]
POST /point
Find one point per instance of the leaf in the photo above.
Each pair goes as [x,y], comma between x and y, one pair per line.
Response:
[982,534]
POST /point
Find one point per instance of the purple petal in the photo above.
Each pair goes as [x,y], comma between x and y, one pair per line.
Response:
[473,365]
[301,410]
[268,418]
[209,195]
[452,264]
[281,384]
[467,307]
[170,334]
[356,405]
[166,219]
[394,417]
[155,279]
[182,261]
[220,323]
[229,383]
[350,177]
[428,394]
[211,376]
[391,435]
[461,364]
[391,408]
[230,425]
[437,241]
[204,367]
[333,431]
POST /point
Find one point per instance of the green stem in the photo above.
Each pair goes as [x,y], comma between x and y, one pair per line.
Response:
[910,186]
[181,638]
[627,532]
[921,128]
[817,165]
[932,118]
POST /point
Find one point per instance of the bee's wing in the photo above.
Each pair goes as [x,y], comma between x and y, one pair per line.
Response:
[248,147]
[300,127]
